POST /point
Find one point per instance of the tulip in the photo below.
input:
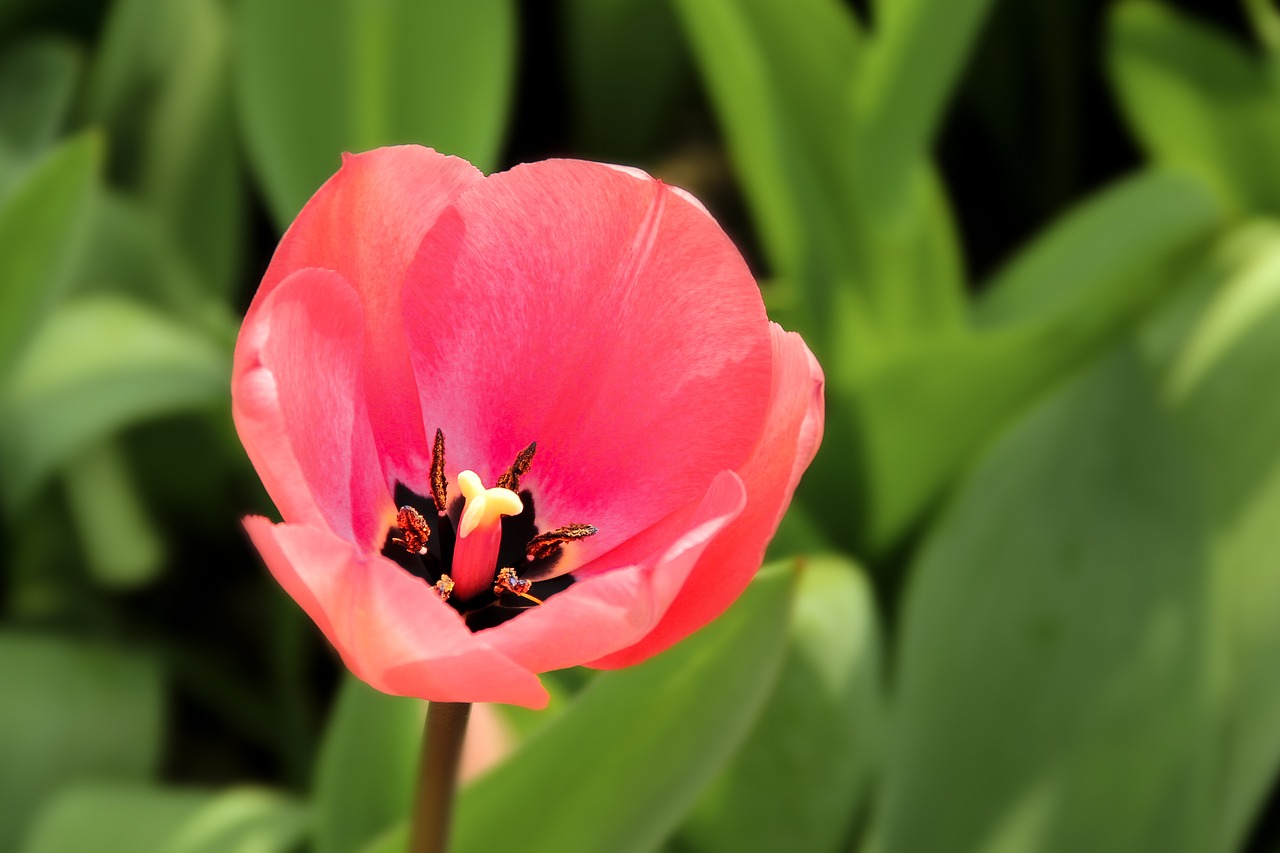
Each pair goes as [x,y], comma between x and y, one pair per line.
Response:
[514,423]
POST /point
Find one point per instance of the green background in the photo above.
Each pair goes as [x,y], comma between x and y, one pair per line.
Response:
[1028,596]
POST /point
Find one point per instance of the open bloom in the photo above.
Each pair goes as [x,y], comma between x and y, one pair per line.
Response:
[514,423]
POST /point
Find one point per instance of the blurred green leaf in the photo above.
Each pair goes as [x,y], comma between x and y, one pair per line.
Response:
[777,74]
[803,772]
[1094,252]
[630,756]
[626,64]
[41,574]
[71,711]
[901,90]
[798,535]
[1054,673]
[920,416]
[561,686]
[915,421]
[37,82]
[97,365]
[122,547]
[1231,303]
[162,87]
[910,268]
[353,75]
[1197,101]
[1265,21]
[392,841]
[1215,380]
[40,224]
[242,820]
[194,176]
[1164,335]
[110,819]
[128,252]
[365,774]
[780,77]
[158,820]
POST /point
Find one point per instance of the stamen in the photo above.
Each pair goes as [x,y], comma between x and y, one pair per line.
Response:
[413,527]
[439,486]
[444,587]
[506,581]
[548,544]
[484,506]
[511,479]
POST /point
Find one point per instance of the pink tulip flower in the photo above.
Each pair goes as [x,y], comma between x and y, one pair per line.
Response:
[514,423]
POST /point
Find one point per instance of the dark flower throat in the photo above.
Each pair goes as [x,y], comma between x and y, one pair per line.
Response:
[424,540]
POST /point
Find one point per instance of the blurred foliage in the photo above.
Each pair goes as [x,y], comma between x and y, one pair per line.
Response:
[1027,598]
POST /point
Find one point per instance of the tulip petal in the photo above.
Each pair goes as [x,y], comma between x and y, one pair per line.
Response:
[602,316]
[590,309]
[791,438]
[390,628]
[366,223]
[298,402]
[613,610]
[255,408]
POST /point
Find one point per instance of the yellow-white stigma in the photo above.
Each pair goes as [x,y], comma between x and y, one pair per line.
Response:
[484,506]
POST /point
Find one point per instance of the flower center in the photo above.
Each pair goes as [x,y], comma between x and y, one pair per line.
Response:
[482,551]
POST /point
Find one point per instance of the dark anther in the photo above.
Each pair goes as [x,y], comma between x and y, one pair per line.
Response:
[439,487]
[506,581]
[439,541]
[548,544]
[413,529]
[502,608]
[511,479]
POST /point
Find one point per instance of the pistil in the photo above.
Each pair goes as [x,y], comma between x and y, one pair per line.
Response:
[475,556]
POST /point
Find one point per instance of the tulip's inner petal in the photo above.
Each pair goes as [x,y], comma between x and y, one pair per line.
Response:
[605,318]
[255,407]
[614,610]
[366,223]
[771,473]
[390,628]
[312,353]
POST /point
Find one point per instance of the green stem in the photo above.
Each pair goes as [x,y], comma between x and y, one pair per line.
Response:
[438,775]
